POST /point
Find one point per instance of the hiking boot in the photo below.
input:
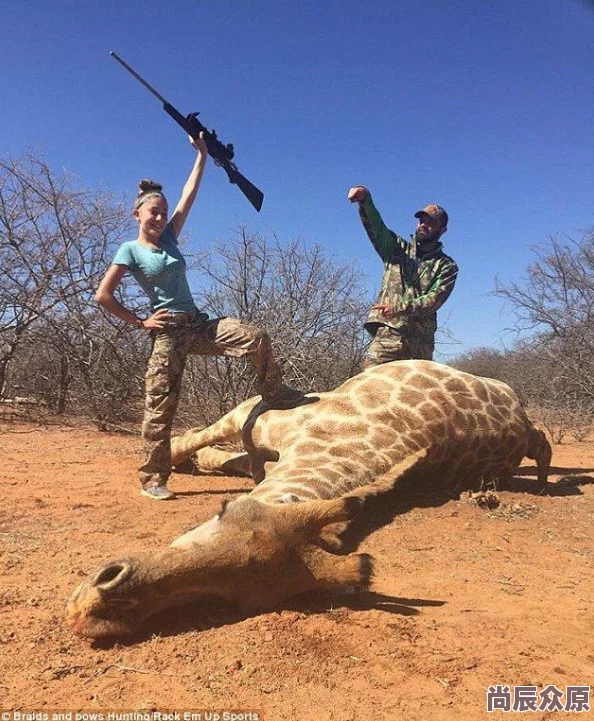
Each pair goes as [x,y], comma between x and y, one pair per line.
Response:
[158,493]
[284,397]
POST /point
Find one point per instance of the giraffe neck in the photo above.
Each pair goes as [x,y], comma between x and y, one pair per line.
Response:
[307,482]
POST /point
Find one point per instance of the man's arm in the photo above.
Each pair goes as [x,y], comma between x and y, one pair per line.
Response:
[386,242]
[435,296]
[428,302]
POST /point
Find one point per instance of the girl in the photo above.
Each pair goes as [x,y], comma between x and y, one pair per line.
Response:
[176,325]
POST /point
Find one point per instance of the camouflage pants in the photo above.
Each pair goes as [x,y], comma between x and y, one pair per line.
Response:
[389,345]
[185,334]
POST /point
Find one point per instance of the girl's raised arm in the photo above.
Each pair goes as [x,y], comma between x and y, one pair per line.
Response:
[190,189]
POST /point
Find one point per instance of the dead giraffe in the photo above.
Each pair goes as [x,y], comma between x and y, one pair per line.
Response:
[314,462]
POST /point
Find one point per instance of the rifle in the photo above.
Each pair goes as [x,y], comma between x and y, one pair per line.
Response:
[221,154]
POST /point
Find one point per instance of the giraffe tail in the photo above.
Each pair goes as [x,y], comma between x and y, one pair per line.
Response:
[539,450]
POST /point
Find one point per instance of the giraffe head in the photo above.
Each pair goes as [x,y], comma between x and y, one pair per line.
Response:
[252,555]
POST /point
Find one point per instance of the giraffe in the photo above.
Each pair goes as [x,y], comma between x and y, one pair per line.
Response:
[314,464]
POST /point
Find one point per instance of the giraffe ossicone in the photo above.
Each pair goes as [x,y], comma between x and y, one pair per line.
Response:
[314,464]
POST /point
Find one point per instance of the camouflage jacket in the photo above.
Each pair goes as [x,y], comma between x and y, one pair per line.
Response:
[417,280]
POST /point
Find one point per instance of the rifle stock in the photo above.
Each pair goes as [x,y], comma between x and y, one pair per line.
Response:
[253,194]
[221,154]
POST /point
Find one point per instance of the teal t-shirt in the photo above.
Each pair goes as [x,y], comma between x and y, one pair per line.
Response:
[160,272]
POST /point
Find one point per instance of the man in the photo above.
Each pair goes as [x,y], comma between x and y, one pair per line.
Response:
[418,279]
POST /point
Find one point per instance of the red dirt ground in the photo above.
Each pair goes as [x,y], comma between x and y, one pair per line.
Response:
[464,598]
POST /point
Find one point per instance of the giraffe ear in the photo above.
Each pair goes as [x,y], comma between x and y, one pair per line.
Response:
[308,518]
[354,570]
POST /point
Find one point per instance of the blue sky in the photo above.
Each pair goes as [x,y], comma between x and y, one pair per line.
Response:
[483,107]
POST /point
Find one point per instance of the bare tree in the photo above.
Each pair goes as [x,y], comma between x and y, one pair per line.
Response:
[557,302]
[312,309]
[554,369]
[558,292]
[56,241]
[485,362]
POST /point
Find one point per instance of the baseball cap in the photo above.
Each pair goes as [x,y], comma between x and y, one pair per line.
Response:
[434,211]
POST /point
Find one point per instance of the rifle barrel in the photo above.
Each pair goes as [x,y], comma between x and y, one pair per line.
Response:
[138,77]
[222,154]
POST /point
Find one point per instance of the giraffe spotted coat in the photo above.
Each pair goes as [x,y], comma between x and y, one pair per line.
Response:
[315,463]
[467,427]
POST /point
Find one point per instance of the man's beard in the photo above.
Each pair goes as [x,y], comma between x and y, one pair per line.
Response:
[427,237]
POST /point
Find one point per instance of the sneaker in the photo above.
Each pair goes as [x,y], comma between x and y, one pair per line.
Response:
[158,493]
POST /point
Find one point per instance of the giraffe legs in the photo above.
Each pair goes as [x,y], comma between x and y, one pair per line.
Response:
[226,429]
[229,463]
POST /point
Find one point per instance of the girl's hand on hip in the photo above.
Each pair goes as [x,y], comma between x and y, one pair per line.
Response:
[157,320]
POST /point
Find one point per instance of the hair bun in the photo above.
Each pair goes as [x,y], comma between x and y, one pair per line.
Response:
[149,186]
